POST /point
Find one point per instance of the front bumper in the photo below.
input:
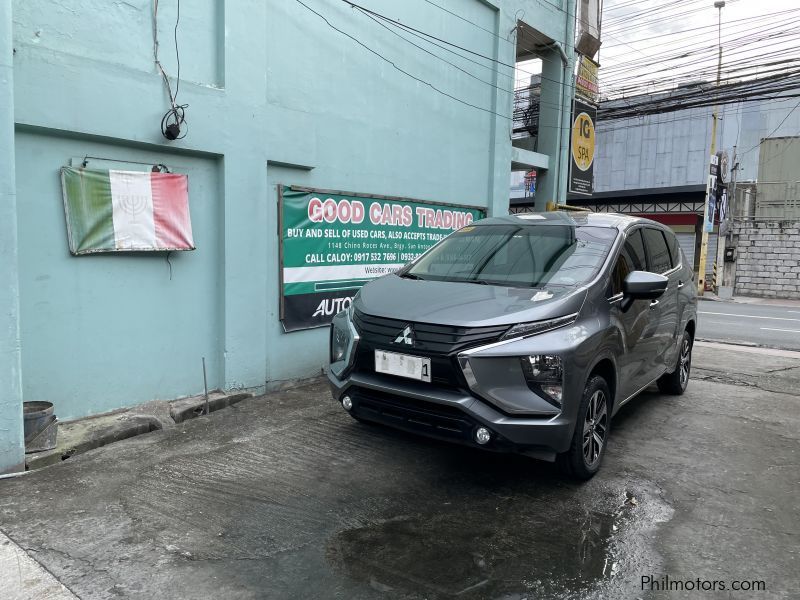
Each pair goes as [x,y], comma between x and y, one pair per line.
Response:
[450,415]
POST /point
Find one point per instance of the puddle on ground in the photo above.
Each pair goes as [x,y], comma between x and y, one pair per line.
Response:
[519,551]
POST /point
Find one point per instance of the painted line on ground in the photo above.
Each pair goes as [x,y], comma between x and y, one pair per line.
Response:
[773,329]
[748,316]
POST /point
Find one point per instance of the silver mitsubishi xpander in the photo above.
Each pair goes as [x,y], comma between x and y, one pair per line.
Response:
[521,333]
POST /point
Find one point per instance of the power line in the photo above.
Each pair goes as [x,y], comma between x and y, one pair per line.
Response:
[703,46]
[472,75]
[457,16]
[774,130]
[732,36]
[707,61]
[785,148]
[427,35]
[705,94]
[749,20]
[394,65]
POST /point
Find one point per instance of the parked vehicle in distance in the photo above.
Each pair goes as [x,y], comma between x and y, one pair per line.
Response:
[521,333]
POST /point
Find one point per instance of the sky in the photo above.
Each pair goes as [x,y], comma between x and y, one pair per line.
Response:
[637,35]
[635,42]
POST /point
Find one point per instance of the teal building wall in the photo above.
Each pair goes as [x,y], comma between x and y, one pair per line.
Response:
[275,96]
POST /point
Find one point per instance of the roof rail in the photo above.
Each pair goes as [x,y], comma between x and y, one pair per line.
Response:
[551,206]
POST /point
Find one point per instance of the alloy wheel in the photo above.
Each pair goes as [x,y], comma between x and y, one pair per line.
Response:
[595,428]
[685,361]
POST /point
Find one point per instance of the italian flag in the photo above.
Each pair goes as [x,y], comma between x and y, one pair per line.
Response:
[112,211]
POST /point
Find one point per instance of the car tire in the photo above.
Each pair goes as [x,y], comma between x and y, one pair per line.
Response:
[675,383]
[592,426]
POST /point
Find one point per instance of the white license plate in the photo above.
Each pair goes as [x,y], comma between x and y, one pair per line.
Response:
[403,365]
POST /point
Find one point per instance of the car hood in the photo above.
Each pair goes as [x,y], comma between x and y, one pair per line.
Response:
[465,304]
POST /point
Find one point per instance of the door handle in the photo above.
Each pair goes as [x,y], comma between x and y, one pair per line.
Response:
[653,304]
[680,284]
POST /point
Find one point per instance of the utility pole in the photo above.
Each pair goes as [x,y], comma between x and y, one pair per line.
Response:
[726,270]
[701,275]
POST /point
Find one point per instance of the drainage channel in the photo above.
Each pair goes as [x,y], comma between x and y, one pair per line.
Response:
[180,413]
[77,437]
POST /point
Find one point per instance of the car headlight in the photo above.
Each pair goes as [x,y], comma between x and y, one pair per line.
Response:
[544,375]
[340,339]
[536,327]
[343,340]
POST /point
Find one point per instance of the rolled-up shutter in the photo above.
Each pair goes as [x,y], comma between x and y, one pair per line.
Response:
[687,241]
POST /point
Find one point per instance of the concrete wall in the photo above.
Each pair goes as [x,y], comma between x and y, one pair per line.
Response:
[778,189]
[275,95]
[11,441]
[767,258]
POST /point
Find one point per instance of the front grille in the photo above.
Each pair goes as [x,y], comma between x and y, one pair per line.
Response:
[427,418]
[440,343]
[429,338]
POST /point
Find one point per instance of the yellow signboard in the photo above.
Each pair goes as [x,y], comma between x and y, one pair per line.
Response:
[581,180]
[583,141]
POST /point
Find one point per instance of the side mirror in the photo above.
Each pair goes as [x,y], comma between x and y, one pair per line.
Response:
[642,285]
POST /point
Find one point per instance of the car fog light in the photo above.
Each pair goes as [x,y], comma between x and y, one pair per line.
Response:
[483,435]
[554,391]
[347,403]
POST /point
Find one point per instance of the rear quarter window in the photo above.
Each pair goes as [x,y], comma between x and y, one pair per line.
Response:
[674,248]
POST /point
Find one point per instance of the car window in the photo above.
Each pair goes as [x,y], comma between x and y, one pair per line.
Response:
[635,246]
[657,251]
[625,265]
[674,248]
[517,255]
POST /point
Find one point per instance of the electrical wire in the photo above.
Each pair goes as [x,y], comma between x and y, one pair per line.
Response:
[785,148]
[710,50]
[457,16]
[773,131]
[468,73]
[398,68]
[694,69]
[700,96]
[175,118]
[746,21]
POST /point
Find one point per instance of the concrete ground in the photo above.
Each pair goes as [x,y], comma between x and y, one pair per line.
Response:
[284,496]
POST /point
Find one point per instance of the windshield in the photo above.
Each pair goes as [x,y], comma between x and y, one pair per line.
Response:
[517,255]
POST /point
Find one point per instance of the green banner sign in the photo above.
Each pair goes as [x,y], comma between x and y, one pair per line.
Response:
[333,243]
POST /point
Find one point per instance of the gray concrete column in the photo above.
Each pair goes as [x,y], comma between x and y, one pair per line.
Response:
[555,114]
[12,448]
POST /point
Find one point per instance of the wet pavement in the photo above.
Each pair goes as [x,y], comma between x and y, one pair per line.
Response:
[285,496]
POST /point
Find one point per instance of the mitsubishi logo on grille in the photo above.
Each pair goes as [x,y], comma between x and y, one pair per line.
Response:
[406,336]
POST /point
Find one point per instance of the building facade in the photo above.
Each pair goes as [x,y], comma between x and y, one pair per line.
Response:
[765,227]
[312,93]
[656,165]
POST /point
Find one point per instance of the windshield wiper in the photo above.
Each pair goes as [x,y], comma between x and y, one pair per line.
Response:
[408,275]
